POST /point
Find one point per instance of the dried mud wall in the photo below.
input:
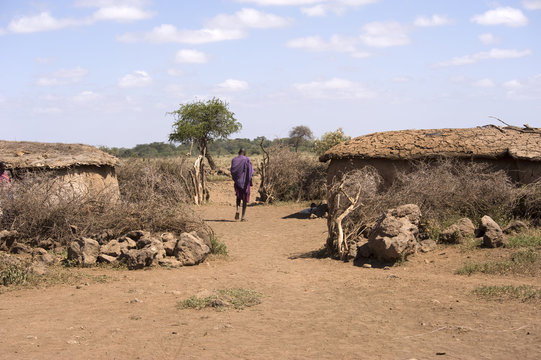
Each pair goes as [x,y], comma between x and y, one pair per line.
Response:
[520,171]
[88,180]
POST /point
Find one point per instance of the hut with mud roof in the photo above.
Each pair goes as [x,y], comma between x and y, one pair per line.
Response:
[515,150]
[79,169]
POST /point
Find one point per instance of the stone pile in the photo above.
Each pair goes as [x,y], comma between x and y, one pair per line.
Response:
[396,234]
[139,249]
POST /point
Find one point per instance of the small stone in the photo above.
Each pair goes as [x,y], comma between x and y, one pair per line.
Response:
[368,266]
[135,300]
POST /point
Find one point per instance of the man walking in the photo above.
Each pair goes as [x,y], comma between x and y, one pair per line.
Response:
[242,171]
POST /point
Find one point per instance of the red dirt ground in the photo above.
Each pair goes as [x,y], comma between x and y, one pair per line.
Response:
[311,308]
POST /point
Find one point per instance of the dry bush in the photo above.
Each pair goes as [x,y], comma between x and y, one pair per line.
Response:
[529,203]
[290,176]
[152,199]
[442,189]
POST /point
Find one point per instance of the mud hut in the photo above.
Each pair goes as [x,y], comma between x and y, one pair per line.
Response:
[512,149]
[79,169]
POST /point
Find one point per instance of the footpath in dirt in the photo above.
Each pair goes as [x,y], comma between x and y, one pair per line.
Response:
[311,308]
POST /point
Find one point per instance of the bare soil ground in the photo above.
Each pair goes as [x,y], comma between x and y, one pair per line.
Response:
[311,308]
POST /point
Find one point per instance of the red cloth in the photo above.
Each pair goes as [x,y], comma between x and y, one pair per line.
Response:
[4,177]
[243,194]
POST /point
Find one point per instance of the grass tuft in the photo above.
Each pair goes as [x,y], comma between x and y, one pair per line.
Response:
[236,298]
[217,247]
[521,261]
[523,292]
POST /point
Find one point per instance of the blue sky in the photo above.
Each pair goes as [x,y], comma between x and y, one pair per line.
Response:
[106,72]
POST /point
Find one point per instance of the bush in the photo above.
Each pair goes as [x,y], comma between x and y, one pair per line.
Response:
[152,198]
[290,176]
[443,189]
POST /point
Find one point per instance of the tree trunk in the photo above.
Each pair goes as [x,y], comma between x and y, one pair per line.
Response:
[212,164]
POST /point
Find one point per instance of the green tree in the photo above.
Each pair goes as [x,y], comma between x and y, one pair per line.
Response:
[300,133]
[202,122]
[328,140]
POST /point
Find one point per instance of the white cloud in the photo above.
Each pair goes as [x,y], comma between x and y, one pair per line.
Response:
[488,39]
[169,33]
[44,60]
[334,89]
[532,4]
[175,72]
[501,16]
[122,13]
[191,56]
[512,84]
[42,22]
[401,79]
[138,78]
[86,97]
[385,34]
[281,2]
[316,43]
[247,18]
[233,85]
[2,31]
[220,28]
[336,6]
[317,10]
[485,55]
[484,83]
[434,20]
[47,110]
[107,11]
[63,77]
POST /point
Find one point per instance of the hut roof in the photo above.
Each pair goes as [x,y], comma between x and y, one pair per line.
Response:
[481,142]
[26,154]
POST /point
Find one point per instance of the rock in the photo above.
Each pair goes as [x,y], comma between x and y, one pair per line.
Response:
[84,251]
[42,256]
[156,245]
[7,238]
[427,245]
[394,236]
[457,232]
[47,244]
[169,262]
[106,259]
[190,249]
[137,234]
[113,248]
[204,235]
[169,243]
[320,210]
[138,258]
[363,251]
[493,235]
[20,248]
[6,259]
[129,243]
[515,227]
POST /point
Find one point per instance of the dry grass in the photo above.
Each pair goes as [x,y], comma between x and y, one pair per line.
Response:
[445,190]
[236,298]
[153,198]
[291,176]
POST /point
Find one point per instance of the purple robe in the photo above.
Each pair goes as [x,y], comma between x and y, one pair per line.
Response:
[242,171]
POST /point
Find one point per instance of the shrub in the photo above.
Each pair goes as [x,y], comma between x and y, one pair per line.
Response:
[152,198]
[290,176]
[444,190]
[237,298]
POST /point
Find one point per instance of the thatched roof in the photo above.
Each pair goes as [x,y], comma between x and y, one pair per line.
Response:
[35,155]
[481,142]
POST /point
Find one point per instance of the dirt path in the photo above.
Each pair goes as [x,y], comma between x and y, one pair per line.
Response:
[311,308]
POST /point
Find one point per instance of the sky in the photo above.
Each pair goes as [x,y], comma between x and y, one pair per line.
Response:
[108,72]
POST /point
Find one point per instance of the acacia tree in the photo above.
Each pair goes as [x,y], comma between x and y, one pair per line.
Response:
[329,139]
[300,133]
[203,122]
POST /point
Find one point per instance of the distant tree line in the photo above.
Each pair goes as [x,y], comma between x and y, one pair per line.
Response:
[299,140]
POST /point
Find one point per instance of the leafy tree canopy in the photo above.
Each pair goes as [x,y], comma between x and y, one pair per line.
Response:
[300,133]
[203,122]
[329,139]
